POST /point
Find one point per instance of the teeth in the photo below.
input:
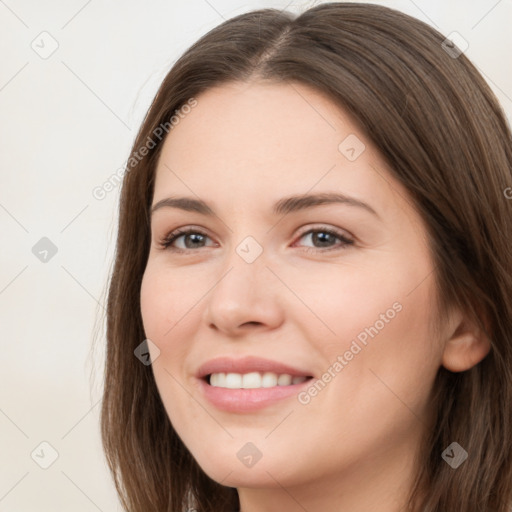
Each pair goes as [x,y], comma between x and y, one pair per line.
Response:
[253,380]
[284,380]
[269,380]
[232,380]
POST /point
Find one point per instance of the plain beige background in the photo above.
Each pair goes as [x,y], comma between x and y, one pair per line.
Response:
[68,121]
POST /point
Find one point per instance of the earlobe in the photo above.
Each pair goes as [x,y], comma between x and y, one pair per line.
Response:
[467,346]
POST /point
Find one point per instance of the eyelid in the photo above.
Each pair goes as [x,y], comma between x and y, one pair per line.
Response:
[319,227]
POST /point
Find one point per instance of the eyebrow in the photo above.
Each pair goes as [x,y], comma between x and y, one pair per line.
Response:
[282,207]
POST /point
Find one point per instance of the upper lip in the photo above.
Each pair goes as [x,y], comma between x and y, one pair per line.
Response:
[246,365]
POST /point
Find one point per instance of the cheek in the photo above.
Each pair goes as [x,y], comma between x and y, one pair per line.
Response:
[378,318]
[390,361]
[338,303]
[161,306]
[164,316]
[151,302]
[169,308]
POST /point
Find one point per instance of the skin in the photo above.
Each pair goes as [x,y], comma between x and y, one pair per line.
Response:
[302,302]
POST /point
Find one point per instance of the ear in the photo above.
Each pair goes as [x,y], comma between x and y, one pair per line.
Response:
[466,346]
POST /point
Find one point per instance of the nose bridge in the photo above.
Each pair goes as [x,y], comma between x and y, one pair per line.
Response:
[244,292]
[244,272]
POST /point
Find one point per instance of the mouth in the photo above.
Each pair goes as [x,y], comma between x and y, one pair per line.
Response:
[249,384]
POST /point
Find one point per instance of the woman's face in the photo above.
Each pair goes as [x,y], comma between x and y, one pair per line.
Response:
[338,292]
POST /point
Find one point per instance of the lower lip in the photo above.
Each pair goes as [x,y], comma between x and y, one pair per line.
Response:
[246,400]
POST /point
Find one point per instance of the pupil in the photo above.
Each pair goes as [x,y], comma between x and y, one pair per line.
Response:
[193,235]
[322,235]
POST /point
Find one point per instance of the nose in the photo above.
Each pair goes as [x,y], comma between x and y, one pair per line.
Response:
[246,296]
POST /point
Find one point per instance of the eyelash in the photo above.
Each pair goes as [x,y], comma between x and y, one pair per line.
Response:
[172,237]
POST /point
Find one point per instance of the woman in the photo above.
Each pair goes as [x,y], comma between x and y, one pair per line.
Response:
[312,255]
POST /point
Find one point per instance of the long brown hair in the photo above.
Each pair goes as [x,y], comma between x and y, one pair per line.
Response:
[445,137]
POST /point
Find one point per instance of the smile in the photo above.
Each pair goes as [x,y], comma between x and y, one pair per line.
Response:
[249,383]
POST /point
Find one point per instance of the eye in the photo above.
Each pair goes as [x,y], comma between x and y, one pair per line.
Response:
[325,237]
[192,238]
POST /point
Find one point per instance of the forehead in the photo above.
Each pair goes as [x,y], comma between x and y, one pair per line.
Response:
[260,119]
[261,140]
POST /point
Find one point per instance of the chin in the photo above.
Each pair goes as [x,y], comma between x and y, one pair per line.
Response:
[234,467]
[242,477]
